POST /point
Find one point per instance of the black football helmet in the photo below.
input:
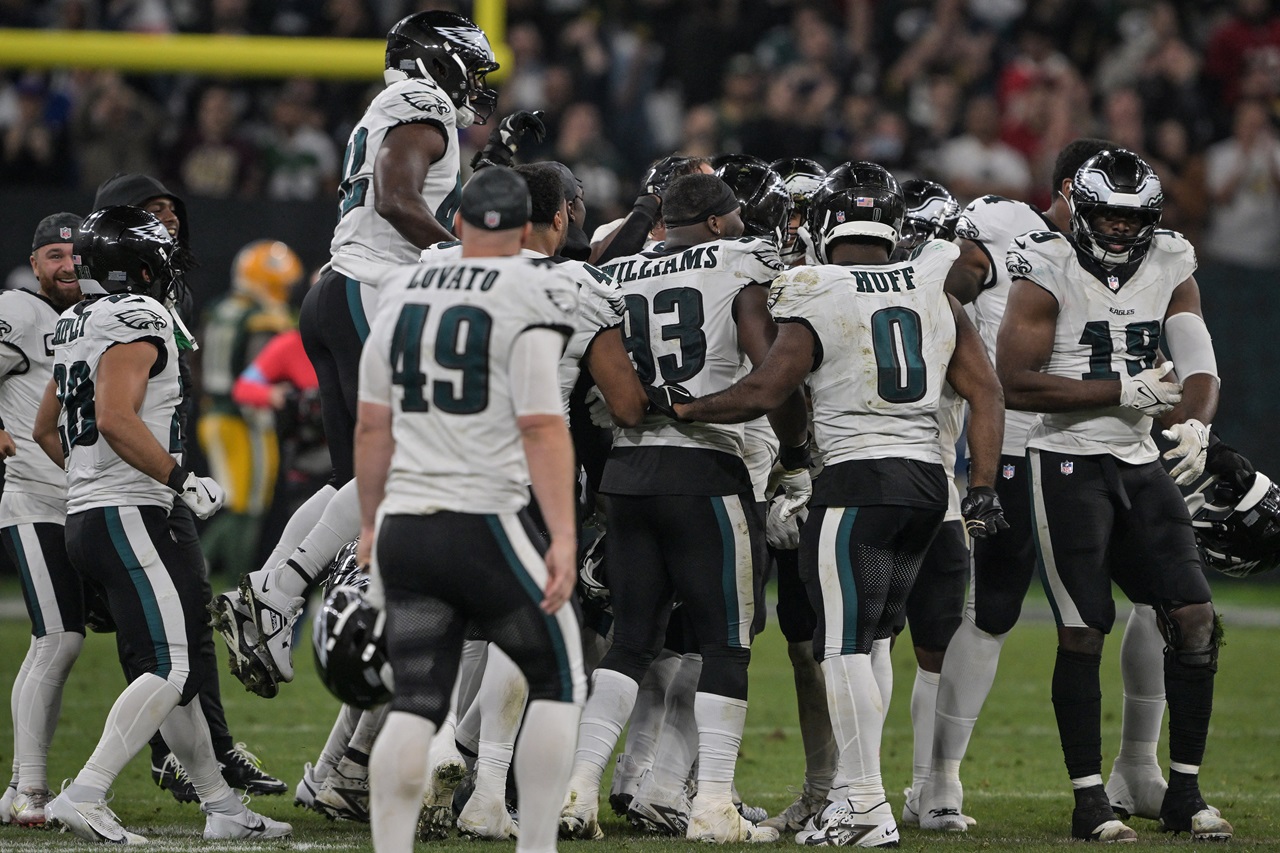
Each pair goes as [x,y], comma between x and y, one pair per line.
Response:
[1238,536]
[856,200]
[347,638]
[114,245]
[1116,182]
[766,205]
[932,214]
[593,584]
[451,50]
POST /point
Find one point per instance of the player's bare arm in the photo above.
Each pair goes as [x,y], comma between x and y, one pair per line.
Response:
[968,273]
[970,373]
[45,430]
[7,447]
[774,381]
[757,333]
[401,166]
[614,375]
[549,452]
[122,387]
[374,445]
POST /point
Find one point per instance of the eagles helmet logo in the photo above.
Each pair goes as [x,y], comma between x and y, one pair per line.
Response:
[1017,265]
[142,318]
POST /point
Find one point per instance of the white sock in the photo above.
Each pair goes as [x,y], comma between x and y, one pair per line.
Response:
[968,671]
[720,723]
[543,763]
[15,703]
[607,710]
[1142,671]
[646,717]
[857,721]
[443,747]
[882,666]
[336,746]
[133,719]
[398,780]
[677,744]
[299,525]
[924,705]
[186,732]
[366,730]
[815,719]
[503,694]
[41,704]
[467,685]
[338,525]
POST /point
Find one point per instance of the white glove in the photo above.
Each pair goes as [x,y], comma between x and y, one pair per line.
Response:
[598,409]
[1193,447]
[203,495]
[797,488]
[1148,393]
[780,533]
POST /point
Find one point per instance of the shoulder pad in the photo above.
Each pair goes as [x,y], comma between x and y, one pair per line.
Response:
[416,100]
[754,257]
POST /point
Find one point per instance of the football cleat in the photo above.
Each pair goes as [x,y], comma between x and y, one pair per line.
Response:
[172,777]
[720,823]
[247,825]
[1188,813]
[6,802]
[755,814]
[580,816]
[90,821]
[794,817]
[344,795]
[841,824]
[231,618]
[1136,790]
[939,806]
[1097,822]
[658,815]
[241,769]
[28,807]
[487,819]
[437,816]
[274,615]
[626,781]
[304,795]
[911,814]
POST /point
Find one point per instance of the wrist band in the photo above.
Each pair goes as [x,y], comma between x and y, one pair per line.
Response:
[793,458]
[177,477]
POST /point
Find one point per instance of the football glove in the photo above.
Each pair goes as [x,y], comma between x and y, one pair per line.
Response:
[1148,392]
[659,176]
[663,398]
[1192,439]
[505,139]
[598,409]
[983,515]
[783,533]
[203,495]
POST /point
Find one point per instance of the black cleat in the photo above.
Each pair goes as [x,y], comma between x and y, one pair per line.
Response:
[1094,820]
[172,777]
[242,770]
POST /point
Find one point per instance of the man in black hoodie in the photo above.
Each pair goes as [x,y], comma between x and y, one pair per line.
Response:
[239,767]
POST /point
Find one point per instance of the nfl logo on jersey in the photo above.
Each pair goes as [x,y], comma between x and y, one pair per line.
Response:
[1113,282]
[1006,471]
[1067,467]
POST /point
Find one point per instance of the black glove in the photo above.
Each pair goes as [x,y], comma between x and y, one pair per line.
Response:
[1235,474]
[662,399]
[983,515]
[659,176]
[504,140]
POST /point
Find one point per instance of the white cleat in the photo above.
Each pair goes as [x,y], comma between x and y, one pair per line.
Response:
[938,808]
[659,815]
[1208,825]
[436,819]
[841,824]
[274,614]
[90,821]
[344,794]
[911,810]
[1136,790]
[28,807]
[247,825]
[720,823]
[794,817]
[627,776]
[304,795]
[487,819]
[6,803]
[580,816]
[231,617]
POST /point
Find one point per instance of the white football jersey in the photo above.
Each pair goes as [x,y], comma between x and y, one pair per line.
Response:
[993,222]
[680,329]
[96,476]
[35,489]
[364,243]
[951,412]
[1104,326]
[760,452]
[438,355]
[885,334]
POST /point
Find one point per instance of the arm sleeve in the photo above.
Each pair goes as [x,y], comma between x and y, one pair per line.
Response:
[13,361]
[1190,345]
[375,364]
[534,372]
[633,232]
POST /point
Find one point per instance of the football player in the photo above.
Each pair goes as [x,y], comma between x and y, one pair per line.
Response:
[643,226]
[110,416]
[681,514]
[460,408]
[400,186]
[802,178]
[1080,343]
[33,510]
[1003,566]
[882,493]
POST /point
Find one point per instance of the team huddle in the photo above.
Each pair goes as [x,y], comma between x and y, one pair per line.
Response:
[564,469]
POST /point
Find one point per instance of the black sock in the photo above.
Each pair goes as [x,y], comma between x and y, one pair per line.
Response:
[1189,692]
[1077,703]
[1183,783]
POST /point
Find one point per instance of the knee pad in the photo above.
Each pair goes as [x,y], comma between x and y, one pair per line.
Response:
[1204,656]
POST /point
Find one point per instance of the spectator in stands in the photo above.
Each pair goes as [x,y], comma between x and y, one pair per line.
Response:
[301,160]
[211,158]
[1247,42]
[1243,176]
[113,130]
[978,163]
[1122,120]
[582,147]
[33,151]
[1181,171]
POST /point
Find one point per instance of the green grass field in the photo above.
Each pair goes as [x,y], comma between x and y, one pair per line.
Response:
[1015,781]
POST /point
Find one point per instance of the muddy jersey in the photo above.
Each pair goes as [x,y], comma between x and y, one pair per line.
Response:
[35,489]
[96,475]
[364,243]
[438,354]
[993,222]
[1107,323]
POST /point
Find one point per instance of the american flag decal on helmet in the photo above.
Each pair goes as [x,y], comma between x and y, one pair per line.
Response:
[863,201]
